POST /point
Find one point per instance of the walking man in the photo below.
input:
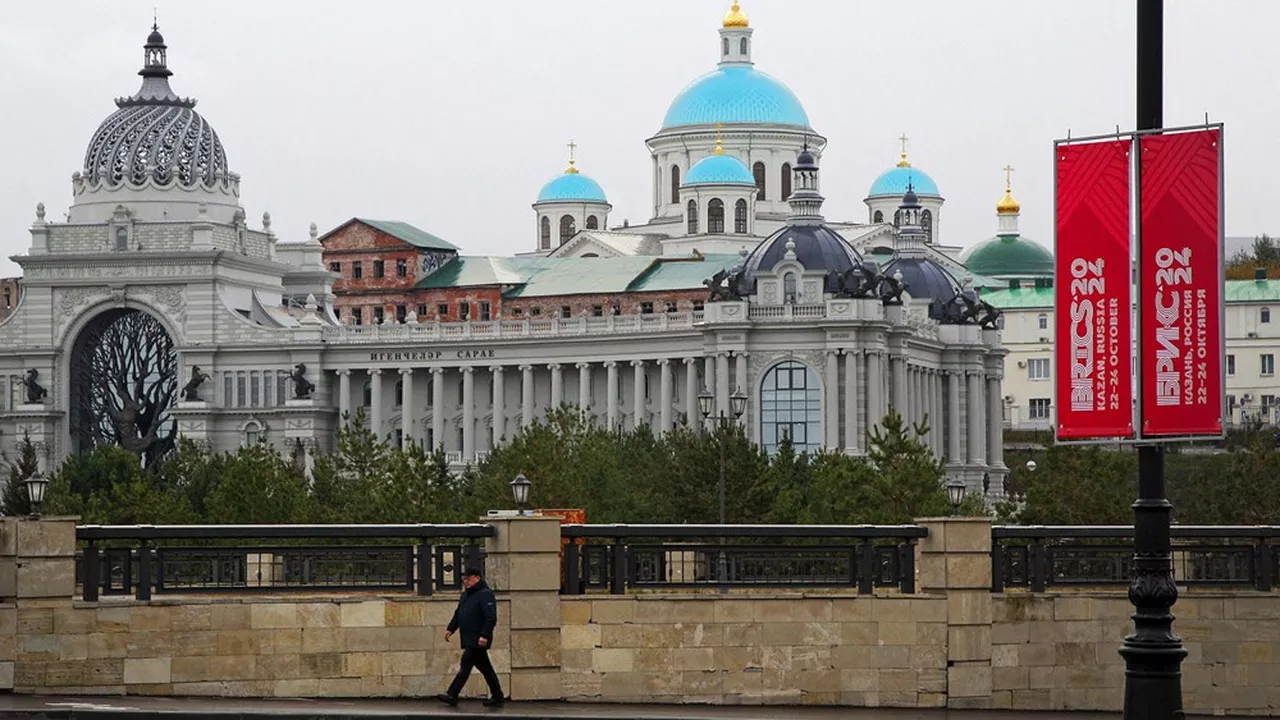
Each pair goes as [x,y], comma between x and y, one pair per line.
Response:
[475,619]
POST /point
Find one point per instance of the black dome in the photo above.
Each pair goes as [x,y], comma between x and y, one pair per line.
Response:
[817,248]
[924,278]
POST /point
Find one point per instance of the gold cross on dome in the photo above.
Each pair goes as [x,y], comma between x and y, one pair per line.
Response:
[1008,176]
[903,139]
[573,146]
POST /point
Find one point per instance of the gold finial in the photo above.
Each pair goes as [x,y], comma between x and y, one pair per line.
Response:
[1007,205]
[735,18]
[719,146]
[573,146]
[903,161]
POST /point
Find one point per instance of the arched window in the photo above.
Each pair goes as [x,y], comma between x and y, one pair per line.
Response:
[790,408]
[592,223]
[789,288]
[926,222]
[740,217]
[545,234]
[715,216]
[726,47]
[122,238]
[758,171]
[567,228]
[692,214]
[878,217]
[1043,321]
[786,180]
[742,47]
[675,183]
[586,255]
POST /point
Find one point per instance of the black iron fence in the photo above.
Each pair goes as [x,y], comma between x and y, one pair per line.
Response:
[614,558]
[1043,557]
[143,559]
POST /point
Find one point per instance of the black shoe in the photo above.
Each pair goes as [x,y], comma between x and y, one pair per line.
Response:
[447,699]
[495,702]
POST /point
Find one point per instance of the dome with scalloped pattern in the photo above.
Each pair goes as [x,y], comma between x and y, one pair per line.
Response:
[154,135]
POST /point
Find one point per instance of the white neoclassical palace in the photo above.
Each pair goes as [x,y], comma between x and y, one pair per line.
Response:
[155,312]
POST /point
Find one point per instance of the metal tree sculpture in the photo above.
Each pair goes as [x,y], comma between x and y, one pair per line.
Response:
[124,377]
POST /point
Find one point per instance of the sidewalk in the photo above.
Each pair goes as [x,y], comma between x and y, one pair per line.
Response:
[117,708]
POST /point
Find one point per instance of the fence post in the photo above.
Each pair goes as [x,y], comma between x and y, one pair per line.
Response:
[866,568]
[1264,561]
[1037,564]
[144,571]
[426,584]
[997,566]
[522,561]
[572,563]
[621,569]
[92,569]
[907,568]
[955,560]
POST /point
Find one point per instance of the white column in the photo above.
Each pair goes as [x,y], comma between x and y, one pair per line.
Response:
[638,404]
[437,407]
[664,370]
[468,414]
[722,384]
[954,378]
[976,427]
[899,380]
[375,403]
[344,395]
[557,385]
[691,391]
[850,401]
[935,421]
[831,401]
[611,394]
[526,395]
[499,405]
[995,424]
[875,390]
[709,373]
[584,388]
[406,409]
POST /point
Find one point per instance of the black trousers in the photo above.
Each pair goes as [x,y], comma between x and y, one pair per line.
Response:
[477,658]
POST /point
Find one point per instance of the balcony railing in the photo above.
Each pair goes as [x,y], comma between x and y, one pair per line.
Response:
[1051,557]
[514,329]
[783,313]
[614,558]
[140,560]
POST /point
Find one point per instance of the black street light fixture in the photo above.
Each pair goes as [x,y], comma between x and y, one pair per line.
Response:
[520,492]
[36,485]
[737,406]
[955,494]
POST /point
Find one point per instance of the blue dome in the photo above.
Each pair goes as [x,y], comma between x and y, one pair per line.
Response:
[733,95]
[895,180]
[719,170]
[925,278]
[572,187]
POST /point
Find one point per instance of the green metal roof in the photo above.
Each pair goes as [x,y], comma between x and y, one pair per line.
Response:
[1027,298]
[410,234]
[682,274]
[1244,291]
[1009,255]
[542,277]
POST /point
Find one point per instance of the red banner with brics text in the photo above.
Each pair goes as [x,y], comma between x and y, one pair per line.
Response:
[1181,266]
[1093,295]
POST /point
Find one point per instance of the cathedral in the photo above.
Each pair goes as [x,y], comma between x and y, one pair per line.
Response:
[155,311]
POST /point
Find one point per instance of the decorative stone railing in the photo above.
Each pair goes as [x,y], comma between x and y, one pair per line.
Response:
[501,329]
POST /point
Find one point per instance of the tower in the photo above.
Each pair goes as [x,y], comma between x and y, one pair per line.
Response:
[735,37]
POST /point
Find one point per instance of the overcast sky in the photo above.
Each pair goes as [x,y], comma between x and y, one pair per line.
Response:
[451,115]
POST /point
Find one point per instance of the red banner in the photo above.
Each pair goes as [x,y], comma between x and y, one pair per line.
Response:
[1093,296]
[1181,265]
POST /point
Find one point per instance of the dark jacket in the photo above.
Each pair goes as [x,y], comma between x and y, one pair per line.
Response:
[476,616]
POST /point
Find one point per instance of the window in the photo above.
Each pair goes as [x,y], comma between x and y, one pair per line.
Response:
[789,287]
[357,316]
[616,309]
[672,307]
[926,222]
[402,268]
[485,311]
[379,269]
[1264,315]
[1043,321]
[399,393]
[8,298]
[715,216]
[1268,401]
[790,407]
[255,390]
[646,308]
[422,311]
[742,46]
[368,394]
[726,47]
[357,270]
[675,183]
[878,217]
[1268,364]
[240,390]
[786,180]
[122,238]
[252,433]
[1231,364]
[1038,369]
[592,223]
[692,214]
[568,228]
[535,311]
[566,311]
[335,267]
[740,217]
[1039,409]
[597,310]
[464,311]
[402,313]
[442,311]
[517,312]
[228,390]
[378,315]
[758,171]
[544,234]
[698,305]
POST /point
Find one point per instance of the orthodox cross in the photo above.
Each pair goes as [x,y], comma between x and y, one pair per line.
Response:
[1008,176]
[573,146]
[903,139]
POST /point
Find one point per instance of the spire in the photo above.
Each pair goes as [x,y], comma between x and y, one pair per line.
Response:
[805,200]
[155,74]
[1008,209]
[902,162]
[572,170]
[719,145]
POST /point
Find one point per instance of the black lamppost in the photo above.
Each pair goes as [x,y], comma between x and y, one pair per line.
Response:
[738,406]
[520,493]
[955,494]
[36,485]
[1152,654]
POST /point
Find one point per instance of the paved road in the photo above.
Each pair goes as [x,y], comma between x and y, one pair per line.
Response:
[119,708]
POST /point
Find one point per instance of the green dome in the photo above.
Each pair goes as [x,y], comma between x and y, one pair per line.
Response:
[1008,256]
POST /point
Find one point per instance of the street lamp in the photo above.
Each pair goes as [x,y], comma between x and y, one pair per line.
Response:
[36,485]
[1031,465]
[737,406]
[955,494]
[520,492]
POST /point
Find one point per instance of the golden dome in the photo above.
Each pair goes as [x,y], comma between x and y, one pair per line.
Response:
[1007,205]
[735,18]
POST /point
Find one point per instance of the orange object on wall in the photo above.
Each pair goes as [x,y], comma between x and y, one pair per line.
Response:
[569,516]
